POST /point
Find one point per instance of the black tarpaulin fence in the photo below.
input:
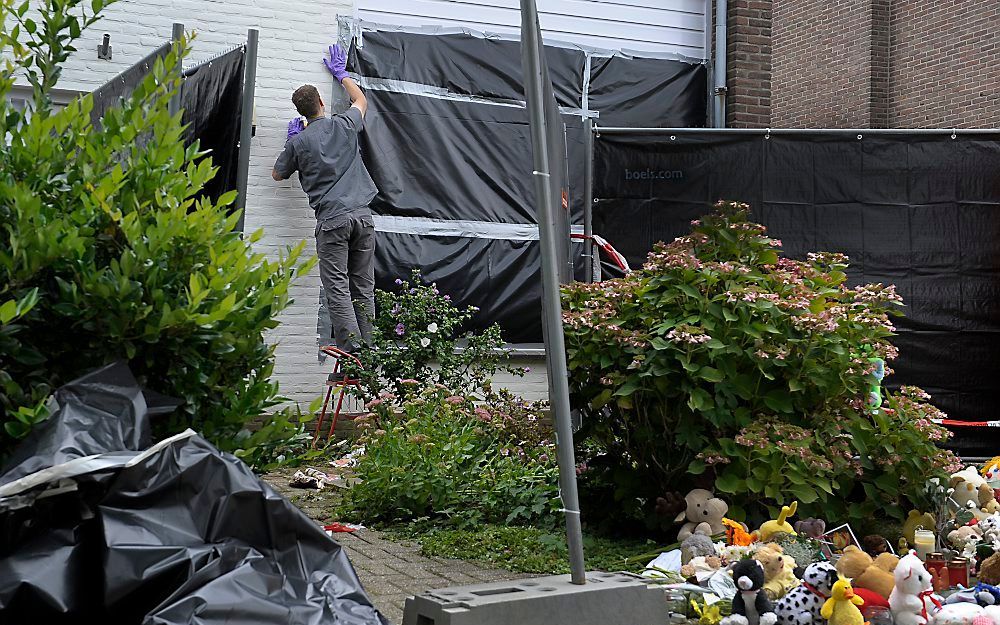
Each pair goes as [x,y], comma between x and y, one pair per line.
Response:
[446,140]
[96,526]
[119,88]
[212,98]
[917,209]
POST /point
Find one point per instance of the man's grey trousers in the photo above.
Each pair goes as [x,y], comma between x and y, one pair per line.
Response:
[346,249]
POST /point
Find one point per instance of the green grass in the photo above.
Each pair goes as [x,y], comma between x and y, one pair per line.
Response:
[525,549]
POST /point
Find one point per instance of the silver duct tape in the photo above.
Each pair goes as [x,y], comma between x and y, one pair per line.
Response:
[452,228]
[391,85]
[455,228]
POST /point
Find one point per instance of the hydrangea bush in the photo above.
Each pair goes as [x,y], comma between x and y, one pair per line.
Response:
[721,355]
[417,334]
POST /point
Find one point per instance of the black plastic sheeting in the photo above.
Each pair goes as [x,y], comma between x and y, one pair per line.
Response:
[442,159]
[466,64]
[212,99]
[178,534]
[918,211]
[450,160]
[631,91]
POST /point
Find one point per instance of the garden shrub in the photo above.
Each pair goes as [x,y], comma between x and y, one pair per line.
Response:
[417,334]
[441,456]
[720,355]
[121,256]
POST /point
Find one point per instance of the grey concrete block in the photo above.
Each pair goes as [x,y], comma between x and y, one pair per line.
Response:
[605,598]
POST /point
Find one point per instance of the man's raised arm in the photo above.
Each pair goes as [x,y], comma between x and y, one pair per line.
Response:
[336,62]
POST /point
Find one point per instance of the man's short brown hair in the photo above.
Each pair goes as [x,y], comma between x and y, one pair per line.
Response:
[306,100]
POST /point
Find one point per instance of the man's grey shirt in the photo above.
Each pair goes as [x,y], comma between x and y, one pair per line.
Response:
[327,156]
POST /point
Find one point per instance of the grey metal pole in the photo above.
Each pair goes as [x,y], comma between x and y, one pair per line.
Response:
[246,123]
[719,69]
[588,197]
[555,344]
[860,133]
[176,34]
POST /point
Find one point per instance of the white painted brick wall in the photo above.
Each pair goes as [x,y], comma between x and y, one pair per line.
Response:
[293,37]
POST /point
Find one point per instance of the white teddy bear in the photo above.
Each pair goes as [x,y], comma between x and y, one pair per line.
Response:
[912,601]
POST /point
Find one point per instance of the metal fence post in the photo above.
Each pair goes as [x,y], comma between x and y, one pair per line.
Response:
[176,34]
[588,197]
[246,124]
[555,342]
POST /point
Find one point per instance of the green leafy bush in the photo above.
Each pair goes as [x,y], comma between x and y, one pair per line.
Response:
[125,259]
[721,355]
[417,335]
[441,456]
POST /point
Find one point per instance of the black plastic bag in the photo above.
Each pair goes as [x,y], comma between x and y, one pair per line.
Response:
[92,530]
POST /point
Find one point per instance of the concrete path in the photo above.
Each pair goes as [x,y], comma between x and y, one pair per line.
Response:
[392,571]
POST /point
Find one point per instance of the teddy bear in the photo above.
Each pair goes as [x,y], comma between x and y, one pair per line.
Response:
[750,605]
[971,491]
[914,521]
[696,545]
[864,572]
[779,570]
[964,539]
[991,473]
[875,544]
[989,528]
[802,604]
[704,514]
[811,528]
[989,570]
[912,599]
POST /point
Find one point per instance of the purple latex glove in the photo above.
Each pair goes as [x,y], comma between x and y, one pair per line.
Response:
[336,62]
[295,127]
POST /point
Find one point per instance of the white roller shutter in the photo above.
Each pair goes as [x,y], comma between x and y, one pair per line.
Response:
[663,26]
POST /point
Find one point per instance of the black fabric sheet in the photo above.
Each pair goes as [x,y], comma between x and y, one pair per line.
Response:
[643,92]
[212,99]
[501,277]
[918,211]
[465,64]
[179,535]
[452,160]
[449,160]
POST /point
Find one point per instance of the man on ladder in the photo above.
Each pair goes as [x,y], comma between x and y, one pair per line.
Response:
[326,153]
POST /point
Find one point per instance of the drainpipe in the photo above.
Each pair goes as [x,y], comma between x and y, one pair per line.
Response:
[719,72]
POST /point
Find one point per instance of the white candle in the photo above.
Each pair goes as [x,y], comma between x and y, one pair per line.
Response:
[923,543]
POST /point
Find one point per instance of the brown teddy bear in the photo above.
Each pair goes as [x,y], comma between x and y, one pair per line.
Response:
[989,570]
[868,573]
[704,513]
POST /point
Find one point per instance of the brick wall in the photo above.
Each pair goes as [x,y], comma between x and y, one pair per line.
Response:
[748,61]
[864,63]
[945,64]
[822,63]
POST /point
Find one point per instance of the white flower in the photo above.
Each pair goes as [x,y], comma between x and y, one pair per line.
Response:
[432,328]
[424,342]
